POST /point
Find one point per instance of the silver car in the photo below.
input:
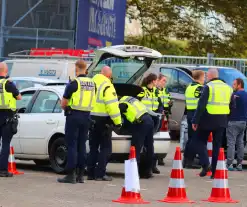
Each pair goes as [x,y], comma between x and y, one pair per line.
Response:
[179,77]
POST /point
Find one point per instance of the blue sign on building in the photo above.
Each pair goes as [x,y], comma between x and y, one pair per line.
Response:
[100,23]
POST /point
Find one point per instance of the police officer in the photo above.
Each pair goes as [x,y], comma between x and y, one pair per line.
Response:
[9,94]
[211,116]
[105,114]
[142,130]
[78,101]
[192,95]
[165,97]
[150,97]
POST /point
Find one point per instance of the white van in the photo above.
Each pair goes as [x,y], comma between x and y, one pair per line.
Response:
[60,67]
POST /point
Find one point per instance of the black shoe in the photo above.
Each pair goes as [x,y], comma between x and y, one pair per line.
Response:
[155,170]
[161,162]
[104,178]
[80,178]
[6,174]
[204,171]
[146,175]
[90,177]
[70,178]
[188,164]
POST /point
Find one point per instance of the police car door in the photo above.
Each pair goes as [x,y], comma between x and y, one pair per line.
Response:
[38,125]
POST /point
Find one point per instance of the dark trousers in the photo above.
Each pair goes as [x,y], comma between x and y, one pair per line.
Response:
[76,133]
[191,134]
[200,146]
[6,135]
[100,149]
[142,135]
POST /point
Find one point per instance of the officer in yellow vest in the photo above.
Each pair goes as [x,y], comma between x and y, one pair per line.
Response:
[192,95]
[150,97]
[165,97]
[142,131]
[8,96]
[78,101]
[105,113]
[211,116]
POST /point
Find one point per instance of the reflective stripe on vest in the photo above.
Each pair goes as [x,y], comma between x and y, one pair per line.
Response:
[85,85]
[132,100]
[150,100]
[164,97]
[98,100]
[219,97]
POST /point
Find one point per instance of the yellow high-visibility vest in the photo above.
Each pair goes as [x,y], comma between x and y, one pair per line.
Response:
[106,99]
[84,98]
[135,108]
[7,101]
[165,97]
[150,99]
[190,99]
[219,97]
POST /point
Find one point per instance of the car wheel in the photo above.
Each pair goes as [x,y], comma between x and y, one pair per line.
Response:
[42,162]
[58,155]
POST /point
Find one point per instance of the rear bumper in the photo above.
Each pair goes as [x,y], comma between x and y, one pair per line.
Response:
[121,143]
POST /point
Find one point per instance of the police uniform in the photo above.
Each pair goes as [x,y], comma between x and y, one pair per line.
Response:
[165,97]
[192,95]
[8,94]
[105,113]
[152,100]
[211,116]
[81,95]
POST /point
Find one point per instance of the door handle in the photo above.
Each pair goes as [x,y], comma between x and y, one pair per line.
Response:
[50,121]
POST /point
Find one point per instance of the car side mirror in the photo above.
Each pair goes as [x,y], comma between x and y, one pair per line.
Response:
[22,110]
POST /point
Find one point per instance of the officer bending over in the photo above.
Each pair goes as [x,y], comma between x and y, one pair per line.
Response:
[9,94]
[105,114]
[142,130]
[78,101]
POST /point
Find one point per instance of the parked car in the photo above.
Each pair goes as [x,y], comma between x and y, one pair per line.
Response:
[27,82]
[41,126]
[40,134]
[179,77]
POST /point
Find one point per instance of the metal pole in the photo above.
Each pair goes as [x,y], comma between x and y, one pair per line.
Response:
[72,14]
[3,20]
[24,15]
[37,38]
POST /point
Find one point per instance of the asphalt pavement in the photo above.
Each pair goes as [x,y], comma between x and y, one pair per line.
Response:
[38,187]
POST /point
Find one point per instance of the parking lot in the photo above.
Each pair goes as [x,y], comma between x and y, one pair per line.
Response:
[38,187]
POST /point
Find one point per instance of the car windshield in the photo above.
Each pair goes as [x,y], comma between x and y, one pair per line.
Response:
[229,75]
[122,69]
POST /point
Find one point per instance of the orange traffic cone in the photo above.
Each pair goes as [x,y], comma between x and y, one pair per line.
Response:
[220,192]
[12,163]
[131,190]
[177,192]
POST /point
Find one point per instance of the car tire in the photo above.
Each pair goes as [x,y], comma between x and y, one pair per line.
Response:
[58,155]
[42,162]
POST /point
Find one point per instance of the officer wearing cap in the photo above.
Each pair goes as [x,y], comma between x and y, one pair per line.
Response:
[211,116]
[8,96]
[105,114]
[142,127]
[78,101]
[192,95]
